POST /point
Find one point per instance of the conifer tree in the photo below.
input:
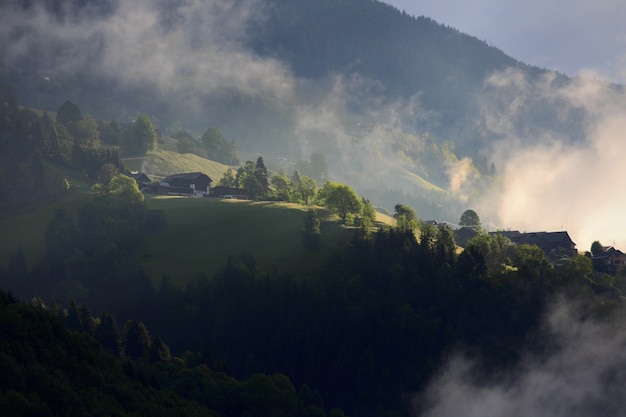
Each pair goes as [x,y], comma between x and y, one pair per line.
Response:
[311,233]
[137,340]
[108,335]
[159,351]
[73,320]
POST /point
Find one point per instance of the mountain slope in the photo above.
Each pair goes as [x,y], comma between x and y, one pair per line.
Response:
[288,78]
[279,43]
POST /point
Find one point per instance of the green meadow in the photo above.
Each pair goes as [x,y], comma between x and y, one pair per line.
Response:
[161,163]
[25,229]
[202,233]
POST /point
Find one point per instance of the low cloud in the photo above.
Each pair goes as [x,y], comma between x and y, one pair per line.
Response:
[583,375]
[550,181]
[185,48]
[462,175]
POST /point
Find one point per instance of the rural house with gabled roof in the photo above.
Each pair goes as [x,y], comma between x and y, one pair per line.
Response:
[192,184]
[611,260]
[143,181]
[553,244]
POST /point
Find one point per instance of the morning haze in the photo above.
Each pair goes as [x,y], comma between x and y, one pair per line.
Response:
[245,185]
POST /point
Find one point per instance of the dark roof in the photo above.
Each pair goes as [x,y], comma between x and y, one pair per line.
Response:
[608,252]
[441,223]
[533,238]
[464,234]
[511,234]
[543,237]
[550,242]
[189,176]
[139,176]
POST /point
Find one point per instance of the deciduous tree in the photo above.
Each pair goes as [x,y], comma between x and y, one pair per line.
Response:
[469,218]
[228,180]
[119,192]
[143,136]
[218,148]
[340,199]
[307,188]
[405,216]
[597,248]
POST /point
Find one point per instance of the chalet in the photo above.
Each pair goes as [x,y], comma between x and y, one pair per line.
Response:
[463,234]
[193,184]
[438,223]
[611,260]
[143,181]
[553,244]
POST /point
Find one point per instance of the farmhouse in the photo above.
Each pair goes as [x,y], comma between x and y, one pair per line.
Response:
[143,181]
[611,260]
[553,244]
[188,184]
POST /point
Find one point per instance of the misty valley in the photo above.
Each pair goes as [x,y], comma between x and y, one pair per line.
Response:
[295,208]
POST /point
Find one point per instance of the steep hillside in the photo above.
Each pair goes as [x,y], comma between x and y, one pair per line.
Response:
[51,371]
[346,78]
[202,233]
[382,56]
[161,163]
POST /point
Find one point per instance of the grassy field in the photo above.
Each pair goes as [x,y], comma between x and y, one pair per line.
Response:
[160,163]
[201,233]
[26,229]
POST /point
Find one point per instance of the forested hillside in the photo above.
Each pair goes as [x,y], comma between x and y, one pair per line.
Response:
[138,299]
[356,80]
[51,371]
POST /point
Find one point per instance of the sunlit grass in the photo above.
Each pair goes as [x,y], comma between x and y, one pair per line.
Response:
[161,163]
[202,232]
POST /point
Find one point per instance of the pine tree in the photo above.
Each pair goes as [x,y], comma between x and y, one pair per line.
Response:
[159,351]
[108,335]
[261,183]
[87,322]
[137,340]
[73,319]
[311,233]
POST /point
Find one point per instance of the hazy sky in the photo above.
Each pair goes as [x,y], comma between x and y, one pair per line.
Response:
[570,36]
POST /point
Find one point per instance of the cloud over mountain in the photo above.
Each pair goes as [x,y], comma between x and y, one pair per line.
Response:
[580,373]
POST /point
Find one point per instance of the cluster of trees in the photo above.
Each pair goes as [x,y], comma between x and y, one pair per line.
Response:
[344,201]
[394,304]
[316,167]
[52,370]
[75,129]
[251,176]
[405,217]
[29,143]
[296,189]
[97,241]
[212,145]
[339,198]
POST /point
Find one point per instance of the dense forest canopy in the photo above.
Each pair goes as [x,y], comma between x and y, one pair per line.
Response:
[336,107]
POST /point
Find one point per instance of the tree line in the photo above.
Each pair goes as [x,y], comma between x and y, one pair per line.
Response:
[375,321]
[52,366]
